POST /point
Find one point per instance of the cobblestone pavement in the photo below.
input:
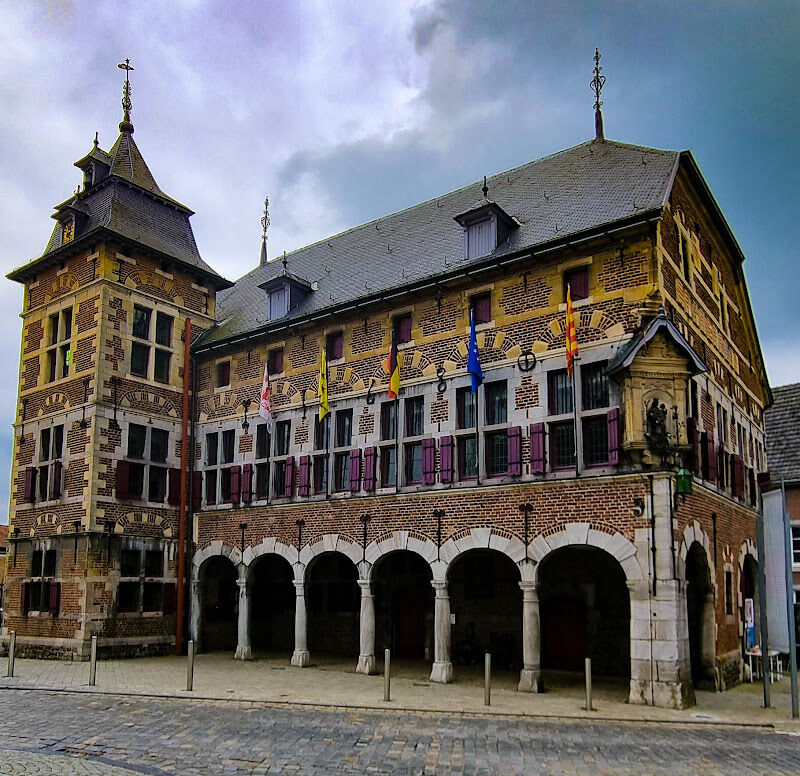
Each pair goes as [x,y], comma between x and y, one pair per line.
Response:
[118,735]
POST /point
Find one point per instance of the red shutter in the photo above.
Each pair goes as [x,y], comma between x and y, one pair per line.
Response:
[738,476]
[170,598]
[54,598]
[174,487]
[753,491]
[369,469]
[355,471]
[278,362]
[482,306]
[55,485]
[288,477]
[404,329]
[613,436]
[537,448]
[197,489]
[30,485]
[446,463]
[515,450]
[709,458]
[123,479]
[428,461]
[236,484]
[692,462]
[337,345]
[580,284]
[23,598]
[305,475]
[247,483]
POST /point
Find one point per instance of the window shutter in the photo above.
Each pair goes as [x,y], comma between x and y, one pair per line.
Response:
[753,491]
[580,284]
[738,476]
[305,475]
[278,359]
[170,598]
[515,450]
[537,448]
[123,479]
[369,469]
[428,461]
[54,598]
[174,489]
[483,308]
[30,485]
[338,345]
[23,598]
[355,471]
[404,335]
[288,477]
[693,439]
[197,489]
[613,436]
[236,484]
[55,486]
[709,457]
[446,463]
[247,483]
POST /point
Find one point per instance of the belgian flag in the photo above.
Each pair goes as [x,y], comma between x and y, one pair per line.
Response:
[393,368]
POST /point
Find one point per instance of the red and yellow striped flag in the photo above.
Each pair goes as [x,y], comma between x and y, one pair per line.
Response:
[571,336]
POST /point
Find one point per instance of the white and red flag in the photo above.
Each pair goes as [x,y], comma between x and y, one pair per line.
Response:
[265,406]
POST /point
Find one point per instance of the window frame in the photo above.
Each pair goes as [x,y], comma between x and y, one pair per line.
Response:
[59,349]
[144,466]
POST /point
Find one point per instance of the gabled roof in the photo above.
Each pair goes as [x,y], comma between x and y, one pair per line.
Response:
[593,186]
[782,421]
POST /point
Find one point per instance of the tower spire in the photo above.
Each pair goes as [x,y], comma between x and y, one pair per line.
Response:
[264,227]
[596,85]
[126,125]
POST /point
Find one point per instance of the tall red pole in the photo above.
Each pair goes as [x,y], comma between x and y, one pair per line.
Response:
[187,341]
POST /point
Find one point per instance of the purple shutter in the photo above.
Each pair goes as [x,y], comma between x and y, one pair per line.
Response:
[247,483]
[537,448]
[30,485]
[304,470]
[579,283]
[515,450]
[404,329]
[710,457]
[123,479]
[54,598]
[236,484]
[174,489]
[738,472]
[483,308]
[753,492]
[55,486]
[288,477]
[613,436]
[369,469]
[338,345]
[693,439]
[197,489]
[446,463]
[278,362]
[355,471]
[24,598]
[428,461]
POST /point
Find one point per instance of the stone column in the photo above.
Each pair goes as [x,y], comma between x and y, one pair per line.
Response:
[530,677]
[366,656]
[195,614]
[243,650]
[709,641]
[442,670]
[300,657]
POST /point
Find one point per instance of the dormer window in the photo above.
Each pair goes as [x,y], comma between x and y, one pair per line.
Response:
[486,226]
[67,231]
[278,303]
[284,294]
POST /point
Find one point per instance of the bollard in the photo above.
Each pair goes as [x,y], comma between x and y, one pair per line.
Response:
[487,680]
[93,663]
[588,666]
[12,648]
[387,675]
[190,666]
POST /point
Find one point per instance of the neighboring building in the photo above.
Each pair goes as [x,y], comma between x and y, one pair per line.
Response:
[400,524]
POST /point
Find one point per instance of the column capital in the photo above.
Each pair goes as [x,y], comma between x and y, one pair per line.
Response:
[366,586]
[242,583]
[440,586]
[529,589]
[299,586]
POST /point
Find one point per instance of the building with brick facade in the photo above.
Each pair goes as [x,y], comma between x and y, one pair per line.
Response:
[537,519]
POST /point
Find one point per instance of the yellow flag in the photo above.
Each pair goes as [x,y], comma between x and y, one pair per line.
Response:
[322,385]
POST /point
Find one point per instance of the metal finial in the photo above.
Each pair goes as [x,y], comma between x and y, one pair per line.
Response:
[126,97]
[285,262]
[596,84]
[96,139]
[485,188]
[264,227]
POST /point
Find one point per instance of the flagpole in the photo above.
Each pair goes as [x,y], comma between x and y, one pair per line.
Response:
[327,430]
[575,418]
[396,444]
[477,437]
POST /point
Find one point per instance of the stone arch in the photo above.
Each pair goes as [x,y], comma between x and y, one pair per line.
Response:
[285,392]
[414,365]
[148,402]
[591,325]
[747,548]
[217,547]
[693,532]
[140,520]
[483,539]
[220,405]
[55,402]
[399,540]
[495,340]
[270,546]
[330,543]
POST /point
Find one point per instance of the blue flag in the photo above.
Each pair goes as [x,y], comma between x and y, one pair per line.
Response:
[474,360]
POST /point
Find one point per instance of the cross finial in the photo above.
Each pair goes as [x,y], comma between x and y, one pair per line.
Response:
[485,188]
[96,139]
[596,84]
[264,227]
[125,125]
[285,262]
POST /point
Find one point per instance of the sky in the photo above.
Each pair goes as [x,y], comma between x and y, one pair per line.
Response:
[343,111]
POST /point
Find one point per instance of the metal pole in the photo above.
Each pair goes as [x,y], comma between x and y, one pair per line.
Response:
[93,663]
[790,604]
[190,666]
[387,675]
[762,599]
[487,680]
[12,649]
[588,669]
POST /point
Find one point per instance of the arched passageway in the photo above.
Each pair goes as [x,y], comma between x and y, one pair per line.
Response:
[401,584]
[585,612]
[272,602]
[486,607]
[219,604]
[334,602]
[700,617]
[750,602]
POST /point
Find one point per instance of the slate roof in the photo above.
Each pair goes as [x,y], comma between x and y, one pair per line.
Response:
[583,188]
[782,421]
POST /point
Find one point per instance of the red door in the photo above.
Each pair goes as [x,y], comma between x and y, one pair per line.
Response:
[564,634]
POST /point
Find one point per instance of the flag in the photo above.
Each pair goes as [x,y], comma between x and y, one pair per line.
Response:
[393,369]
[571,335]
[265,405]
[474,360]
[322,385]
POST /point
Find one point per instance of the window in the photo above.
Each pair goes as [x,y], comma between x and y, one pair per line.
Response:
[262,461]
[161,366]
[387,452]
[40,592]
[279,479]
[796,545]
[278,306]
[145,444]
[141,322]
[275,361]
[481,307]
[578,281]
[322,430]
[140,356]
[228,443]
[465,407]
[415,418]
[223,374]
[140,351]
[212,449]
[559,392]
[402,328]
[594,386]
[49,471]
[344,428]
[496,403]
[341,471]
[321,474]
[481,238]
[142,586]
[728,592]
[334,346]
[262,441]
[686,257]
[163,329]
[413,455]
[388,420]
[497,453]
[722,424]
[211,486]
[467,451]
[562,445]
[388,466]
[58,357]
[595,440]
[282,437]
[262,480]
[220,451]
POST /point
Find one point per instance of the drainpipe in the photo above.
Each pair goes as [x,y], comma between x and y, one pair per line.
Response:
[653,532]
[181,594]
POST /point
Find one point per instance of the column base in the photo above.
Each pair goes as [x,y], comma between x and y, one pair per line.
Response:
[667,695]
[442,672]
[530,680]
[366,665]
[243,653]
[301,658]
